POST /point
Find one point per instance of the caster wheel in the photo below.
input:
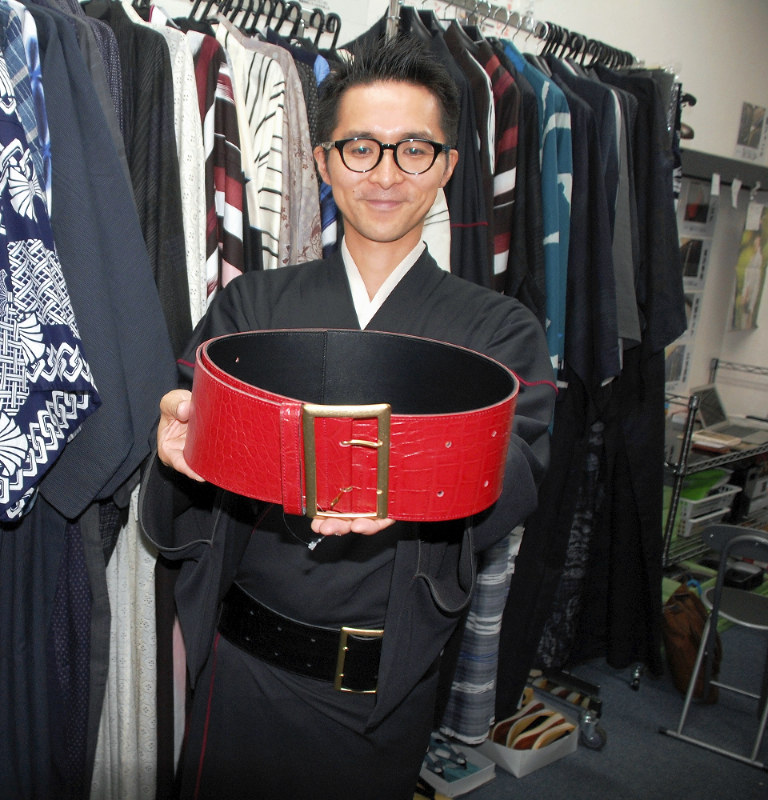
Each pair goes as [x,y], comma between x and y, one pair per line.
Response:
[594,739]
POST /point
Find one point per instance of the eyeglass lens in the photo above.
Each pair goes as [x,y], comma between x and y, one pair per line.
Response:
[412,155]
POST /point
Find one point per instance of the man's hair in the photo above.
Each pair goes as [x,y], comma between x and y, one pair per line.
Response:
[401,58]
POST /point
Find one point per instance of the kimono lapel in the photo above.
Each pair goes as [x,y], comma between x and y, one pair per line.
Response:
[401,310]
[331,304]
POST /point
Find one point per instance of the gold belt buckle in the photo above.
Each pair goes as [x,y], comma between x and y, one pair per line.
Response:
[346,632]
[383,414]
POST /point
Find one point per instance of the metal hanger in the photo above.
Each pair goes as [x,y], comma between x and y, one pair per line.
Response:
[333,26]
[292,13]
[274,6]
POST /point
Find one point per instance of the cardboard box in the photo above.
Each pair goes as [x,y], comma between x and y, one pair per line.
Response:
[523,762]
[456,781]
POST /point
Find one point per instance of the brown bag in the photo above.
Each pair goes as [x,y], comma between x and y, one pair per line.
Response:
[684,617]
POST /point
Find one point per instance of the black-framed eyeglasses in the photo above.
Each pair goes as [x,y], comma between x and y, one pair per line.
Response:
[362,154]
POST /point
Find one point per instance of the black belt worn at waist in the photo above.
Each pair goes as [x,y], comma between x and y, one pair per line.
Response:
[347,657]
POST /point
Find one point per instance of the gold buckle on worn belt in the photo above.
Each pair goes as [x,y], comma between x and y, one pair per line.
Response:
[383,414]
[338,681]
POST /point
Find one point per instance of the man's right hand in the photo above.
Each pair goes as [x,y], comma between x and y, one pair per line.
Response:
[172,431]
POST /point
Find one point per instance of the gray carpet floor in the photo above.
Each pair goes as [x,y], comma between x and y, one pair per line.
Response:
[637,762]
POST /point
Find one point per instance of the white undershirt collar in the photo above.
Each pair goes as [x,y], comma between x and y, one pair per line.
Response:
[365,307]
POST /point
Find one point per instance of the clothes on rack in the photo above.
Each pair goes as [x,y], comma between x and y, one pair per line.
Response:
[48,633]
[616,427]
[46,386]
[128,138]
[556,166]
[602,276]
[174,155]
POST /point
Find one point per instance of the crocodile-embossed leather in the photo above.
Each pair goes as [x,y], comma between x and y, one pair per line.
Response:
[451,418]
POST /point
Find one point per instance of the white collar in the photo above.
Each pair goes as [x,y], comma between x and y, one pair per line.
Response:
[366,307]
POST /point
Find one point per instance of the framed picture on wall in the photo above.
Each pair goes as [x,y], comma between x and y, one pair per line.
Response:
[752,133]
[750,268]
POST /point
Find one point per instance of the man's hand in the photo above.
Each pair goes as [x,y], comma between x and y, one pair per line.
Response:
[337,526]
[172,434]
[172,431]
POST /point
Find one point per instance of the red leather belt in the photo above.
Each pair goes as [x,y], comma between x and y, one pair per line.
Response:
[435,450]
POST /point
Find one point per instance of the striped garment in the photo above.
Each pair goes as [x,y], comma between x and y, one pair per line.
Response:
[299,237]
[470,710]
[224,193]
[506,99]
[259,84]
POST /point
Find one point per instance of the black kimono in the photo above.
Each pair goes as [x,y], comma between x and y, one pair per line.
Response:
[260,732]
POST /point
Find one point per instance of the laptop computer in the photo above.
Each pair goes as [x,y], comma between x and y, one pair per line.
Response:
[713,418]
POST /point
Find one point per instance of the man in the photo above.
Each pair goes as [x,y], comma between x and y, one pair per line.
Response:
[255,730]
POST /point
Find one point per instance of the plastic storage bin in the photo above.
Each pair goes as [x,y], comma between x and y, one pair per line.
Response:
[695,525]
[720,500]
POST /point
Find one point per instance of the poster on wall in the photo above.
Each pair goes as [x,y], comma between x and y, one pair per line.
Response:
[694,254]
[692,312]
[750,268]
[677,361]
[753,131]
[696,209]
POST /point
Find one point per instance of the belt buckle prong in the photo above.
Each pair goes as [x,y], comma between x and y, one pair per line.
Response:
[346,632]
[382,412]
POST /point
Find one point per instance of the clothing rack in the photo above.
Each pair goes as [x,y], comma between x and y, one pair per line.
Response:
[275,13]
[475,16]
[557,39]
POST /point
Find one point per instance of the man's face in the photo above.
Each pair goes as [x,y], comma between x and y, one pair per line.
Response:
[386,204]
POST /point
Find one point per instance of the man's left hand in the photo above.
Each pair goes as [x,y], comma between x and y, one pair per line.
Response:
[338,526]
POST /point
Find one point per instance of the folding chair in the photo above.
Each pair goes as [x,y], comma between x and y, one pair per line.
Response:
[740,607]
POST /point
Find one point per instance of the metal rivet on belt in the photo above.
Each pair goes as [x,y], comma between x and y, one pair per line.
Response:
[448,444]
[493,434]
[440,493]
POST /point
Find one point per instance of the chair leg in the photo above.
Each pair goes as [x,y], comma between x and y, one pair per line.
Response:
[708,635]
[763,711]
[694,675]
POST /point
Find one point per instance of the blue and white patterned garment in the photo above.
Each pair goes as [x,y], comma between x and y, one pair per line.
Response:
[18,42]
[46,387]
